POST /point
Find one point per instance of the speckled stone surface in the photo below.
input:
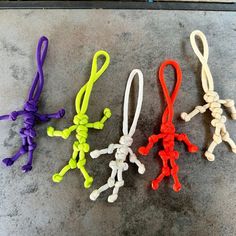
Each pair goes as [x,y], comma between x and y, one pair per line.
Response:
[31,204]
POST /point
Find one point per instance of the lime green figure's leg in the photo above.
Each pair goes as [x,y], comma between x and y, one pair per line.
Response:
[81,163]
[58,177]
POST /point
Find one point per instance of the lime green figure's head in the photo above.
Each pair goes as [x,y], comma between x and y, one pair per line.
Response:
[80,119]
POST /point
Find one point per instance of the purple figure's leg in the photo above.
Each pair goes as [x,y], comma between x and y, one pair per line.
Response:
[28,166]
[22,151]
[10,161]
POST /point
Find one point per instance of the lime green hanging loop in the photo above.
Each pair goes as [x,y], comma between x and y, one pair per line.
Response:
[84,93]
[81,125]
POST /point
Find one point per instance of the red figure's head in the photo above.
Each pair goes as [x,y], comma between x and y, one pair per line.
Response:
[167,128]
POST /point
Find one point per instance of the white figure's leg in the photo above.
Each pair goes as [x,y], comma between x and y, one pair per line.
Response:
[119,183]
[216,140]
[110,183]
[226,138]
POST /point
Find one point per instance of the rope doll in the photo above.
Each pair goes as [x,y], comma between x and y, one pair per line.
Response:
[213,102]
[30,111]
[82,125]
[168,134]
[122,148]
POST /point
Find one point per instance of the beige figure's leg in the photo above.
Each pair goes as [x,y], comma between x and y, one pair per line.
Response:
[226,138]
[216,140]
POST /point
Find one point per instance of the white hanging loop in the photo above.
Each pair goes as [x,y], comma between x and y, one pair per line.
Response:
[126,103]
[122,149]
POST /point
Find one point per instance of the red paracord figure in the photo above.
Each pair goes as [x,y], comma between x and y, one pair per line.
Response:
[168,135]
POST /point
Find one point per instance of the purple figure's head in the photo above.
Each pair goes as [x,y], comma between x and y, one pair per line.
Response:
[37,85]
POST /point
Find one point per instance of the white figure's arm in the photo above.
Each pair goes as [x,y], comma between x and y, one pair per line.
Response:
[230,104]
[198,109]
[96,153]
[134,159]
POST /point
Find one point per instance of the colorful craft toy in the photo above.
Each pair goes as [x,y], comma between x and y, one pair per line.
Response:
[81,124]
[168,134]
[123,147]
[212,99]
[30,111]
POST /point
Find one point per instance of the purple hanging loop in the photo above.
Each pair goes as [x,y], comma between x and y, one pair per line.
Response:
[29,112]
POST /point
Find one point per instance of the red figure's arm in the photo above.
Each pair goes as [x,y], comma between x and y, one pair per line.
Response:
[184,138]
[144,150]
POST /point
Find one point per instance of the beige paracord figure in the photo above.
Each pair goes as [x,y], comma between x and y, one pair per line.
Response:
[213,102]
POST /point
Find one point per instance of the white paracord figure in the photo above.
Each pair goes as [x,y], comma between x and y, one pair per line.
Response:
[123,149]
[213,102]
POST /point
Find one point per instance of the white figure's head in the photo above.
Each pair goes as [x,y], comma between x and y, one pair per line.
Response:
[126,140]
[211,96]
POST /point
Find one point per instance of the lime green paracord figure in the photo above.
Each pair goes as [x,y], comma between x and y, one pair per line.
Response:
[81,124]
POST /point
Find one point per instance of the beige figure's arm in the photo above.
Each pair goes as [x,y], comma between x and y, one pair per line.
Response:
[230,104]
[198,109]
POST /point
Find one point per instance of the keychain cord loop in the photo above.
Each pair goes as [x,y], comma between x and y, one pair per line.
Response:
[207,80]
[169,111]
[126,103]
[84,93]
[38,82]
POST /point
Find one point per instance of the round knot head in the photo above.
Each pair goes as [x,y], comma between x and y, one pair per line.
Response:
[80,119]
[31,105]
[168,128]
[211,96]
[126,140]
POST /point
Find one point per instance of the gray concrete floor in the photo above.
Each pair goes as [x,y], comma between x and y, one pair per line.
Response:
[31,204]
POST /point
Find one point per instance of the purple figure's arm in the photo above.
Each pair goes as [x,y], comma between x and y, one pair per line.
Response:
[47,117]
[12,116]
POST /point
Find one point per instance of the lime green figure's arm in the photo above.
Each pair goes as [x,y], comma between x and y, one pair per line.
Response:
[100,124]
[61,133]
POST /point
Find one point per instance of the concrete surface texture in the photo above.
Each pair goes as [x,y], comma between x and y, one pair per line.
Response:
[31,204]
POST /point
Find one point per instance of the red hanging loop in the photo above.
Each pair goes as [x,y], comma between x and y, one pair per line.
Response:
[168,135]
[169,111]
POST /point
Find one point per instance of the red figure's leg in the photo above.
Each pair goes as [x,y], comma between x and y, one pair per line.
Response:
[164,172]
[174,172]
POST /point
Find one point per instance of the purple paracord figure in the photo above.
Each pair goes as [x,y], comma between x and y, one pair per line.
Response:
[29,112]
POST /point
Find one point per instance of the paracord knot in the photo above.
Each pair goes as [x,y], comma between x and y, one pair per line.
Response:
[81,119]
[14,115]
[31,105]
[110,148]
[201,109]
[72,163]
[81,163]
[81,147]
[229,103]
[211,96]
[126,140]
[167,128]
[217,139]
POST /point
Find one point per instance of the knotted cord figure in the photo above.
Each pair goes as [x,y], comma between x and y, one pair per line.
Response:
[168,134]
[213,102]
[123,149]
[82,125]
[30,111]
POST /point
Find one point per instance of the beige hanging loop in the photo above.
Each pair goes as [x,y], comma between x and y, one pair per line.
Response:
[213,102]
